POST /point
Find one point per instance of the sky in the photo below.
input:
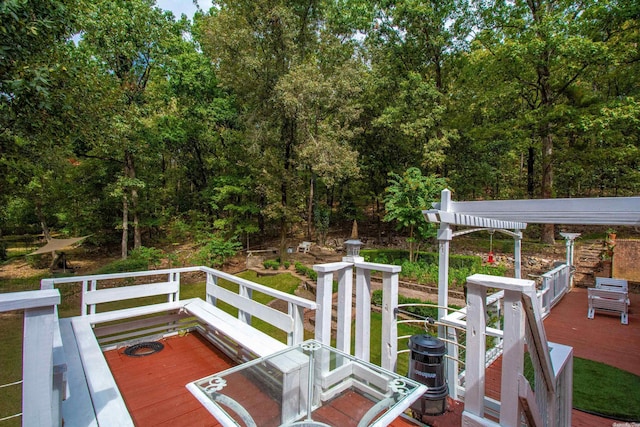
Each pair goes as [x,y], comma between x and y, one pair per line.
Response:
[178,7]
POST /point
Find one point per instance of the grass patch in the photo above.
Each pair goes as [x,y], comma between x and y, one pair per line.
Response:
[603,389]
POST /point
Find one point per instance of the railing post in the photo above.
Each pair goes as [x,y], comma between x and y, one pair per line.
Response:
[389,351]
[452,358]
[245,292]
[323,298]
[363,313]
[345,303]
[512,358]
[39,404]
[37,366]
[475,356]
[297,314]
[517,254]
[212,284]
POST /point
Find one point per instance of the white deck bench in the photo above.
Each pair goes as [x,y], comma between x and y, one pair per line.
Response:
[621,285]
[612,301]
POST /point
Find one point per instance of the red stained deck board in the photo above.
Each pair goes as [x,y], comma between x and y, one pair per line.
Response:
[345,410]
[153,386]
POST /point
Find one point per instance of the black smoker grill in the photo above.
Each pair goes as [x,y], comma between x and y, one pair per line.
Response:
[426,365]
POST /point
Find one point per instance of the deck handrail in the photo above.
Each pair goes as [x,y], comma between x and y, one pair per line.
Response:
[40,398]
[522,323]
[292,322]
[555,283]
[363,270]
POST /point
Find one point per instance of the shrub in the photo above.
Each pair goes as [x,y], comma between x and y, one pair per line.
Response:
[151,256]
[123,266]
[271,263]
[432,312]
[216,250]
[306,271]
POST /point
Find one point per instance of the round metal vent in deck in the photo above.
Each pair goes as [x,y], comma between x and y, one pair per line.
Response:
[143,349]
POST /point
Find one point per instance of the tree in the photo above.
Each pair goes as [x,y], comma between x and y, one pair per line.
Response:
[131,40]
[548,51]
[261,50]
[35,116]
[406,197]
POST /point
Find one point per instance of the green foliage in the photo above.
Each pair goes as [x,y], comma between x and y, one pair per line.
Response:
[271,263]
[215,250]
[306,271]
[425,270]
[152,256]
[124,266]
[405,199]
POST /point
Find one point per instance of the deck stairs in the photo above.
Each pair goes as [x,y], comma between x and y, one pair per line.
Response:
[589,264]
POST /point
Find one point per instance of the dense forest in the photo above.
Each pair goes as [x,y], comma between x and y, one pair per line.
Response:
[259,118]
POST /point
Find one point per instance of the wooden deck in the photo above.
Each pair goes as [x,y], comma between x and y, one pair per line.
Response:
[153,387]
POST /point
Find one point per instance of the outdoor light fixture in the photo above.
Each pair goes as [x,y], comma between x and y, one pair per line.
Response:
[353,247]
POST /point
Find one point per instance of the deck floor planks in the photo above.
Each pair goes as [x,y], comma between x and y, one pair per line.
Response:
[191,357]
[153,386]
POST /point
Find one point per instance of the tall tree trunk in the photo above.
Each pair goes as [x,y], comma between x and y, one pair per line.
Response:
[43,221]
[531,161]
[125,226]
[130,172]
[548,230]
[310,207]
[288,138]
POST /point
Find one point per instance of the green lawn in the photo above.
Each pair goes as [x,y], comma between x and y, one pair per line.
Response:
[603,389]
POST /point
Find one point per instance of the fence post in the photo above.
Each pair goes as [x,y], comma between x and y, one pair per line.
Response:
[389,353]
[323,298]
[512,358]
[475,356]
[363,313]
[345,303]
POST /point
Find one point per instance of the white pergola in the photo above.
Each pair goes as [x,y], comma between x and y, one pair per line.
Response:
[506,215]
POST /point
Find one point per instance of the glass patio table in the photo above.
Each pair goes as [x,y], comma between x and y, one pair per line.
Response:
[306,385]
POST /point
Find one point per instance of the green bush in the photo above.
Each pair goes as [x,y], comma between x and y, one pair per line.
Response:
[306,271]
[399,256]
[123,266]
[432,312]
[216,250]
[151,256]
[271,263]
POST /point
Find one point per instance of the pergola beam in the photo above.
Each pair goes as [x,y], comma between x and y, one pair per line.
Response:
[452,218]
[584,211]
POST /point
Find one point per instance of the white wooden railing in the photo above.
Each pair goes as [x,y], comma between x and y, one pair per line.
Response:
[42,373]
[550,403]
[343,273]
[117,289]
[555,284]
